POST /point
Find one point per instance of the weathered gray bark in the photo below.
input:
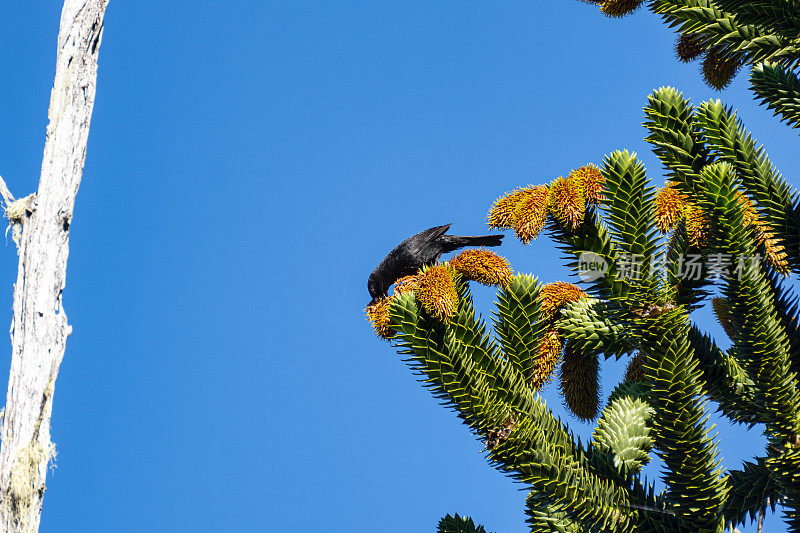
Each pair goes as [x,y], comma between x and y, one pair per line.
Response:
[39,328]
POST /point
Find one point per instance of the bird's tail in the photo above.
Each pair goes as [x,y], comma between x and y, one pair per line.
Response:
[454,242]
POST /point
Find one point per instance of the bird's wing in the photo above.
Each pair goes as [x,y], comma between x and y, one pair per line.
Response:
[424,248]
[419,246]
[431,234]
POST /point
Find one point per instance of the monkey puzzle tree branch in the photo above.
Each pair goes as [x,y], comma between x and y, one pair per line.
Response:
[39,328]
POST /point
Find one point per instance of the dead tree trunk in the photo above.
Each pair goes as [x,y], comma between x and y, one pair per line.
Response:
[41,221]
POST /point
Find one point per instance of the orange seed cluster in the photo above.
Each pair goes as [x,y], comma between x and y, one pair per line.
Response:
[673,205]
[436,291]
[378,315]
[590,181]
[503,211]
[526,209]
[670,205]
[548,352]
[531,214]
[405,284]
[566,202]
[554,296]
[483,266]
[697,225]
[776,254]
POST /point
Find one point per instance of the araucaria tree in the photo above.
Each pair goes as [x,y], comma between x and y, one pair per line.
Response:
[727,35]
[725,223]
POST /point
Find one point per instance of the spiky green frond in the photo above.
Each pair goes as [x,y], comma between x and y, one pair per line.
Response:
[687,269]
[631,389]
[760,344]
[517,322]
[546,518]
[434,352]
[721,28]
[719,198]
[779,16]
[730,141]
[566,477]
[729,201]
[530,444]
[655,514]
[784,468]
[629,205]
[593,327]
[787,305]
[732,33]
[592,236]
[749,489]
[726,382]
[586,499]
[693,475]
[470,341]
[623,432]
[675,136]
[459,524]
[779,89]
[444,361]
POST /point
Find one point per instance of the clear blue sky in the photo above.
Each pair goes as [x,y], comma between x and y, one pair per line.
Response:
[247,168]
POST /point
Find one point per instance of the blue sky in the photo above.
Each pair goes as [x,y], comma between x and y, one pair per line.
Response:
[247,168]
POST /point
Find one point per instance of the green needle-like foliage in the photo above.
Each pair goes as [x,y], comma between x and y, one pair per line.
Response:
[780,16]
[594,327]
[779,89]
[623,431]
[629,206]
[730,141]
[517,322]
[676,137]
[761,344]
[687,291]
[545,518]
[722,28]
[679,421]
[787,306]
[729,34]
[593,236]
[724,200]
[726,382]
[459,524]
[749,490]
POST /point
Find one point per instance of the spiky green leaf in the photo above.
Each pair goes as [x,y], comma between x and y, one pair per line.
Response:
[459,524]
[779,89]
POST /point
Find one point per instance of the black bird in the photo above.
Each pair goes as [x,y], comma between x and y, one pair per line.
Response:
[424,248]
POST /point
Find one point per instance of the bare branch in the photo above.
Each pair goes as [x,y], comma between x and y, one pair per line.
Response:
[8,198]
[39,328]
